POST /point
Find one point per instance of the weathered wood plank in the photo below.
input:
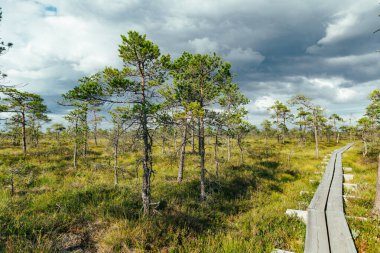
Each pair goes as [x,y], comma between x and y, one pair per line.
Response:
[327,229]
[335,197]
[316,233]
[317,240]
[339,233]
[320,197]
[340,237]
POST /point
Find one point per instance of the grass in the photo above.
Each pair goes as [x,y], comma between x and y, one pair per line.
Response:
[57,207]
[365,232]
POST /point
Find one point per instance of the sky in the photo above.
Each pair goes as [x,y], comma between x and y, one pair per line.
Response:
[323,49]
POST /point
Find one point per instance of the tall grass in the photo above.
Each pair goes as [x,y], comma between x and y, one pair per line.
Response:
[57,207]
[365,231]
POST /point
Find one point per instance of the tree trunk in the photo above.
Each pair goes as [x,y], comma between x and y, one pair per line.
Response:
[316,141]
[75,154]
[76,143]
[23,123]
[37,136]
[241,150]
[228,148]
[192,137]
[365,148]
[85,146]
[14,140]
[283,130]
[182,154]
[278,129]
[175,141]
[351,135]
[304,132]
[199,130]
[301,134]
[95,128]
[12,185]
[163,144]
[216,155]
[337,139]
[147,168]
[147,160]
[376,206]
[116,153]
[202,157]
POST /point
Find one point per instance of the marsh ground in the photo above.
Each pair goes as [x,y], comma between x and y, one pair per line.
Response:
[56,207]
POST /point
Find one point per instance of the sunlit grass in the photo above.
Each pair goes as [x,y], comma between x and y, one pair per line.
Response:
[365,232]
[244,211]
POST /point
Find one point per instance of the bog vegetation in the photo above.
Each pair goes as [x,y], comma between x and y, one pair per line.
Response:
[159,156]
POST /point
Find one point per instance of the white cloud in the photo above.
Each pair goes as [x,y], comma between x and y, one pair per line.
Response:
[262,104]
[331,82]
[345,94]
[341,28]
[355,61]
[54,50]
[356,20]
[54,47]
[331,89]
[352,59]
[245,55]
[204,45]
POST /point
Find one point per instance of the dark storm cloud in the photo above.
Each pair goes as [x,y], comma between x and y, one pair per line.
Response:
[324,49]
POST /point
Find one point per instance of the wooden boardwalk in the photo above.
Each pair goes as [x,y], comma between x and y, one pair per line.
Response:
[327,229]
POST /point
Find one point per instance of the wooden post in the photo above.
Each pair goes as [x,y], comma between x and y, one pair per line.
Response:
[376,206]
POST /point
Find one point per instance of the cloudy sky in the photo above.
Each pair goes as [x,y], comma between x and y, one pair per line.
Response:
[324,49]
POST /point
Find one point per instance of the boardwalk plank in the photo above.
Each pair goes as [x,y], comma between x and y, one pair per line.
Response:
[327,229]
[339,233]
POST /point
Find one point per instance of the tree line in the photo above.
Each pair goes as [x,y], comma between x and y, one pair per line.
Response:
[201,99]
[308,116]
[155,98]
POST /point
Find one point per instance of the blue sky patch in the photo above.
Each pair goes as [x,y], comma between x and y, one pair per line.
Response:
[51,9]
